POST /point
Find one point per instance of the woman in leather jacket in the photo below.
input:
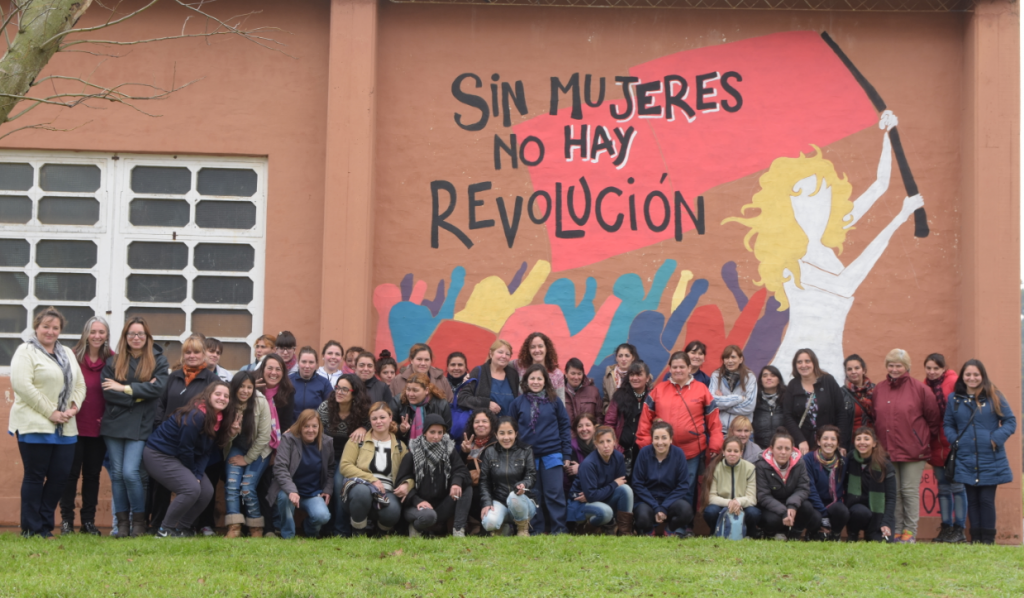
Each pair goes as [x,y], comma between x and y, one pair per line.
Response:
[507,474]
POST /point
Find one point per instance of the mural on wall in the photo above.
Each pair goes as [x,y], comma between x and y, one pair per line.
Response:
[614,176]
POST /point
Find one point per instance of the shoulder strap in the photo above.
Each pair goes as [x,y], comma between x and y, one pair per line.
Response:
[971,419]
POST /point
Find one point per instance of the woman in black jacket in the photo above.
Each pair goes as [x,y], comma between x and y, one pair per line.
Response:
[443,488]
[421,398]
[132,381]
[507,474]
[772,409]
[494,384]
[783,489]
[870,489]
[376,391]
[816,399]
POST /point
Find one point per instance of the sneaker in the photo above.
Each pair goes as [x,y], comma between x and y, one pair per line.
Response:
[269,534]
[67,528]
[458,533]
[781,537]
[414,533]
[208,531]
[907,537]
[90,528]
[163,532]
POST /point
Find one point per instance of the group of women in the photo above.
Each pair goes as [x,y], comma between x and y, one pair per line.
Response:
[514,445]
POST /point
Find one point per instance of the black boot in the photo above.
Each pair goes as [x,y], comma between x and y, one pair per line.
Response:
[956,535]
[943,536]
[988,536]
[138,524]
[89,527]
[124,525]
[67,527]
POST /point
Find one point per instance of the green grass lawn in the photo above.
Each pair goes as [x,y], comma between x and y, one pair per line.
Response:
[541,566]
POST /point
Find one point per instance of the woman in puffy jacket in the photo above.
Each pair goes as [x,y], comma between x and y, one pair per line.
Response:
[978,422]
[600,495]
[826,471]
[507,476]
[783,489]
[907,419]
[443,489]
[870,489]
[952,495]
[730,484]
[133,380]
[773,408]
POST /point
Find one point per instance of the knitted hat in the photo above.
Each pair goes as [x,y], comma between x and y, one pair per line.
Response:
[434,420]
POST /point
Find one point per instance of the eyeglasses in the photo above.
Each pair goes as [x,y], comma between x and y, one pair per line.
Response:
[136,335]
[343,390]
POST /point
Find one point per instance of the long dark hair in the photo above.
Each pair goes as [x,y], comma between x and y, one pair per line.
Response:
[524,387]
[248,416]
[210,429]
[490,418]
[818,372]
[624,397]
[743,370]
[987,388]
[781,390]
[147,360]
[358,412]
[285,397]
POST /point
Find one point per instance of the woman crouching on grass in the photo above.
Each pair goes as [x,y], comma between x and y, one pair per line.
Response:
[660,483]
[600,493]
[443,489]
[507,473]
[730,484]
[177,452]
[303,475]
[826,471]
[870,489]
[783,489]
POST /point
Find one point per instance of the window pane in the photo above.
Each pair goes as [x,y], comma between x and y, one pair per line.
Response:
[235,355]
[65,287]
[224,258]
[152,179]
[76,178]
[222,289]
[162,321]
[15,176]
[66,254]
[157,256]
[150,288]
[13,318]
[15,209]
[81,211]
[222,323]
[226,214]
[227,181]
[14,253]
[7,348]
[158,212]
[76,316]
[13,285]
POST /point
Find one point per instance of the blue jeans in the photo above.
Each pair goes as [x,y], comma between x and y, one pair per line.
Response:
[240,490]
[600,513]
[751,517]
[342,520]
[952,500]
[126,484]
[520,508]
[316,510]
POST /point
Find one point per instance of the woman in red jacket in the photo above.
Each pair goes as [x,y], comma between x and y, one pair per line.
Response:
[907,421]
[687,407]
[952,496]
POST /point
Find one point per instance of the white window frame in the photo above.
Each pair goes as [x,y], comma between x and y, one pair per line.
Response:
[113,233]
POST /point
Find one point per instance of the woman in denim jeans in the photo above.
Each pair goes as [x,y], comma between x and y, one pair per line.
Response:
[303,475]
[247,457]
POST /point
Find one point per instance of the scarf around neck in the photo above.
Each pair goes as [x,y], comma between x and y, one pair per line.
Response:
[855,485]
[426,456]
[770,398]
[191,372]
[536,401]
[586,447]
[416,426]
[833,467]
[69,375]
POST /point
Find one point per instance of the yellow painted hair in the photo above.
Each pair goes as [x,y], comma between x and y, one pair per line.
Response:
[780,241]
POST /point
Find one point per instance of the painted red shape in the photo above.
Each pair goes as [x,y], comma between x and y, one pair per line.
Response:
[550,320]
[707,325]
[452,335]
[795,93]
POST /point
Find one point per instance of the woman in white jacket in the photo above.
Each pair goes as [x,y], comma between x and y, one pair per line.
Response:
[734,387]
[48,391]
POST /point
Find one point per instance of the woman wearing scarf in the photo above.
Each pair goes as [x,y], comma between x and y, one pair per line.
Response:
[862,389]
[443,488]
[48,391]
[421,398]
[870,489]
[178,450]
[783,489]
[825,468]
[734,387]
[615,374]
[186,382]
[625,409]
[772,409]
[952,496]
[272,379]
[92,352]
[479,434]
[544,425]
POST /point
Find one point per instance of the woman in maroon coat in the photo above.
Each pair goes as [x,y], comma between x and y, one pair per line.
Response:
[907,419]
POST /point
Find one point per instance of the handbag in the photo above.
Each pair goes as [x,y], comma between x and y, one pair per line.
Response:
[474,473]
[729,526]
[950,466]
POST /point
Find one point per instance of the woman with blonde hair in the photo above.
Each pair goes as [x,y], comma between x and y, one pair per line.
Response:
[263,346]
[494,384]
[805,214]
[133,380]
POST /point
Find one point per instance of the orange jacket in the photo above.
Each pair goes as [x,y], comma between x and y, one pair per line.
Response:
[688,409]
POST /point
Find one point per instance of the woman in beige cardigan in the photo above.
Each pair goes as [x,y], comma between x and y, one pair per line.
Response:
[48,391]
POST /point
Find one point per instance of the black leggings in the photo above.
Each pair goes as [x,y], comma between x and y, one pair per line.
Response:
[680,516]
[89,454]
[443,510]
[771,523]
[838,517]
[981,507]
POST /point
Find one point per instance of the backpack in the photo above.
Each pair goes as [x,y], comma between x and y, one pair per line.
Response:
[729,526]
[460,416]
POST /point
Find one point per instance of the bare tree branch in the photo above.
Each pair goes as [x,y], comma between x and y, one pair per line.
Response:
[44,127]
[109,23]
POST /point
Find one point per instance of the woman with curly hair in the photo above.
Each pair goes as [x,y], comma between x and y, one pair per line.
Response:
[420,398]
[538,348]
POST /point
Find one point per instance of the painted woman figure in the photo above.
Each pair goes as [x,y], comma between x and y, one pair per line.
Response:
[805,214]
